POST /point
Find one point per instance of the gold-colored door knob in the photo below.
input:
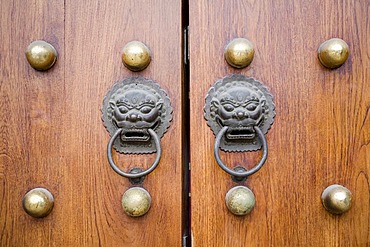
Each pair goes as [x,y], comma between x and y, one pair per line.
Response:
[41,55]
[136,56]
[336,199]
[333,53]
[38,202]
[239,53]
[136,201]
[240,200]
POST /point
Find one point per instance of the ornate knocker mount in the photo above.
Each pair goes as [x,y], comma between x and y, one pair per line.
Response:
[136,113]
[239,110]
[239,103]
[136,105]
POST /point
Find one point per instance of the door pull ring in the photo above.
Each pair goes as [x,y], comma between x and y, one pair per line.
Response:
[139,174]
[240,174]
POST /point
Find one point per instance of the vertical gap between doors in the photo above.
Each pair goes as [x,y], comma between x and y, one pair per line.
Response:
[186,242]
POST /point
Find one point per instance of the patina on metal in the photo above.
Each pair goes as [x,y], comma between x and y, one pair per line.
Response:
[134,106]
[239,53]
[136,56]
[240,200]
[336,199]
[243,105]
[38,202]
[333,53]
[136,201]
[41,55]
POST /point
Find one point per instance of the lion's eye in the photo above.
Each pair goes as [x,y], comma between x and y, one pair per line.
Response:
[123,109]
[251,107]
[228,107]
[145,109]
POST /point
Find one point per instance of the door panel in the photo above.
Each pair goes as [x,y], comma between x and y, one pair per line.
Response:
[51,128]
[321,131]
[52,135]
[32,107]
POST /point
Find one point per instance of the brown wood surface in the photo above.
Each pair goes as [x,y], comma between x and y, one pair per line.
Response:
[51,131]
[321,133]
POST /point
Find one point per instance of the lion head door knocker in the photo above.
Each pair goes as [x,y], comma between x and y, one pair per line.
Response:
[239,110]
[136,113]
[134,106]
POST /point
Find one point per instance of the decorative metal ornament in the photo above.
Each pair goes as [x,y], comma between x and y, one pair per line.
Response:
[136,201]
[133,107]
[136,56]
[38,202]
[240,200]
[333,53]
[41,55]
[336,199]
[243,105]
[239,53]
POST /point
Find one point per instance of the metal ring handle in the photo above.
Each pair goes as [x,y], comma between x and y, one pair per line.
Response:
[134,175]
[236,173]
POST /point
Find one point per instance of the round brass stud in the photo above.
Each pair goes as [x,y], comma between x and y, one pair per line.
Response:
[38,202]
[136,56]
[240,200]
[239,53]
[136,201]
[336,199]
[41,55]
[333,53]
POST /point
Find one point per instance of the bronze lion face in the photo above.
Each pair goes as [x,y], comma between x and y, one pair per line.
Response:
[135,105]
[240,103]
[135,111]
[240,109]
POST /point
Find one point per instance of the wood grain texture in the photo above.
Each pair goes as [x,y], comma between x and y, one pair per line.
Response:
[321,133]
[30,116]
[51,129]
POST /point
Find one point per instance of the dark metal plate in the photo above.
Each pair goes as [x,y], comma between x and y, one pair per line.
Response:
[240,103]
[135,105]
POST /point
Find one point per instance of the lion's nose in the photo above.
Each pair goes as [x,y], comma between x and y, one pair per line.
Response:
[133,117]
[240,115]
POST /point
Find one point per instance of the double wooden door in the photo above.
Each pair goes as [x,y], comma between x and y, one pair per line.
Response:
[52,135]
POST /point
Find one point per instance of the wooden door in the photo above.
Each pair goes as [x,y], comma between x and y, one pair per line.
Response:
[51,131]
[52,135]
[321,132]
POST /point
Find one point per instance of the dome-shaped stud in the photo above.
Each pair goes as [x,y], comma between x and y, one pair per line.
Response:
[41,55]
[240,200]
[333,53]
[136,56]
[239,53]
[136,201]
[336,199]
[38,202]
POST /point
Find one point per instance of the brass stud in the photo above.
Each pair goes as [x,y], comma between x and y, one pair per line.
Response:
[336,199]
[240,200]
[239,53]
[136,201]
[41,55]
[333,53]
[136,56]
[38,202]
